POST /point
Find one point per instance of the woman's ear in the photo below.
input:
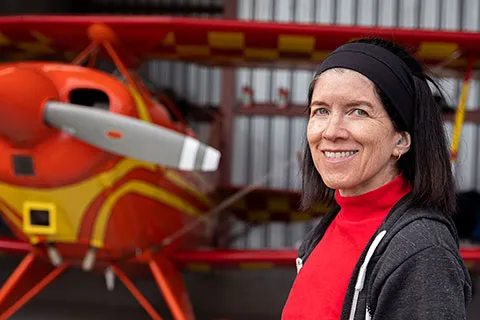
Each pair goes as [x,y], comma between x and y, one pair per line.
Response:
[403,144]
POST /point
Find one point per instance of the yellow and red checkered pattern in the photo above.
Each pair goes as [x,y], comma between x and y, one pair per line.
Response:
[264,205]
[261,47]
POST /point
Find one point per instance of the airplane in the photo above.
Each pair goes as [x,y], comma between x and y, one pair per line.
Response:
[98,173]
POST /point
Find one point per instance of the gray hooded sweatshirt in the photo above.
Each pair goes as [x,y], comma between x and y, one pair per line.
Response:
[410,269]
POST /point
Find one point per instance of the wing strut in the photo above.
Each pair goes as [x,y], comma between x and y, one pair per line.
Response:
[91,49]
[103,36]
[31,276]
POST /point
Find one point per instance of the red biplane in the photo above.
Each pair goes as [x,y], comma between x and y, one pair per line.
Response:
[97,172]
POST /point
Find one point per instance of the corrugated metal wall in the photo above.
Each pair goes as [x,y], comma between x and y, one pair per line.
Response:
[264,144]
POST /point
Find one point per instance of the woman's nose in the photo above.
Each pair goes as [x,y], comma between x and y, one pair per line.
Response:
[335,128]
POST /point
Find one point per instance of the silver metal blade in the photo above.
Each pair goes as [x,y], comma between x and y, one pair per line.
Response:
[131,137]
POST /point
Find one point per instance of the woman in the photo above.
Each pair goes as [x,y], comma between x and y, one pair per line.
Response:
[376,144]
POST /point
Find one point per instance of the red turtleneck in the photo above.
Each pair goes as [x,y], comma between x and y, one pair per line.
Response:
[320,286]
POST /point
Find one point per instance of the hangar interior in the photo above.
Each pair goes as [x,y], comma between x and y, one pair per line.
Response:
[262,141]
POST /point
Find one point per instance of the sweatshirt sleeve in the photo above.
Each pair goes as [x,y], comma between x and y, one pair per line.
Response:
[428,285]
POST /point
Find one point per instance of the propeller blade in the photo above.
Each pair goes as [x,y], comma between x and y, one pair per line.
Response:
[131,137]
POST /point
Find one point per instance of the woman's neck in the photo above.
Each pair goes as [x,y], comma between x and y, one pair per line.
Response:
[380,200]
[374,183]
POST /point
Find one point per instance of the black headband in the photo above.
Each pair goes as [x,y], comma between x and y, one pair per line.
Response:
[382,67]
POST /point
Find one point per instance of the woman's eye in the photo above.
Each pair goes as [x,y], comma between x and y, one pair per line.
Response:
[359,112]
[320,111]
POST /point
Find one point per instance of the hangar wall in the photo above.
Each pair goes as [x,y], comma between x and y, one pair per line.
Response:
[264,145]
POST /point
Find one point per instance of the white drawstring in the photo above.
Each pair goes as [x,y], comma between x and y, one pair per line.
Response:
[362,274]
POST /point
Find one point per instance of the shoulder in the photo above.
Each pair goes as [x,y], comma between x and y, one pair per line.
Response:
[420,257]
[424,232]
[423,239]
[415,229]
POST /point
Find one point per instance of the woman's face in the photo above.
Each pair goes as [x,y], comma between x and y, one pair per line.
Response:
[350,135]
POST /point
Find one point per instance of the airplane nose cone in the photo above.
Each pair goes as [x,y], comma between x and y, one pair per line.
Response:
[23,92]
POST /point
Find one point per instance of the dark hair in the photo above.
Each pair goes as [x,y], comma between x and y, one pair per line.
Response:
[426,165]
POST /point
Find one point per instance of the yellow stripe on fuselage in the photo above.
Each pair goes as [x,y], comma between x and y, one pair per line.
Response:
[142,110]
[72,201]
[140,188]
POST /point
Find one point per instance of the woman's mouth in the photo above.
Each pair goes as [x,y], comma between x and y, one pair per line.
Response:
[339,156]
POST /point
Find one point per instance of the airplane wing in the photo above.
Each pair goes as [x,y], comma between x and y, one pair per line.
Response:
[208,260]
[221,42]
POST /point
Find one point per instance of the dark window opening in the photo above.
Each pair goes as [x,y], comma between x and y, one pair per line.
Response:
[23,165]
[39,218]
[90,98]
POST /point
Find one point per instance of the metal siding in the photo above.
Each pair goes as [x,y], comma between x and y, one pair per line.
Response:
[244,131]
[260,144]
[429,18]
[386,13]
[239,158]
[345,14]
[365,12]
[259,148]
[178,79]
[192,75]
[278,153]
[216,88]
[323,11]
[298,127]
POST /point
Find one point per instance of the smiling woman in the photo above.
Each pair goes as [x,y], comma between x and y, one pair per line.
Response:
[350,134]
[376,147]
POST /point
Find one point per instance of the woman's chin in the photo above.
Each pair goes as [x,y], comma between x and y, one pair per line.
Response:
[338,183]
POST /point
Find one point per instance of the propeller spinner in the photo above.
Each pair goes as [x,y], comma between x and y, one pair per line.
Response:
[131,137]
